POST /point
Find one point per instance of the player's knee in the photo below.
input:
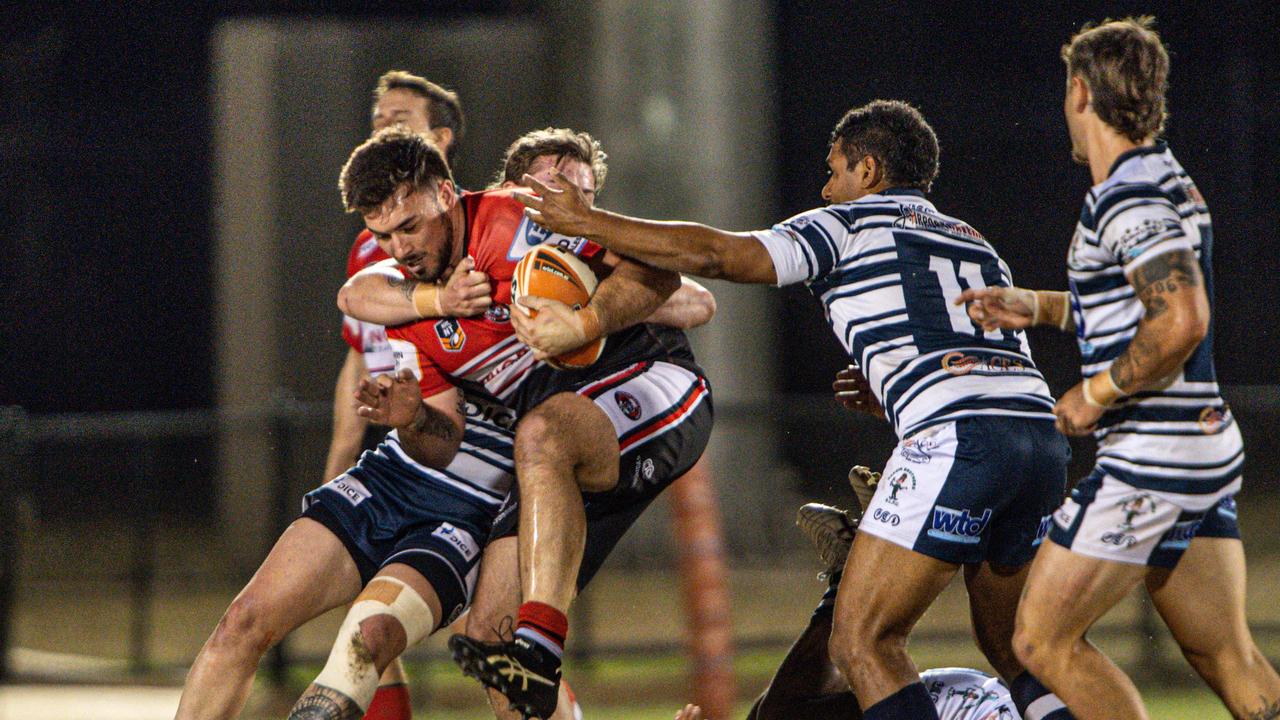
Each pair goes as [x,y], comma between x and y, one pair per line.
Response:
[380,639]
[542,437]
[1035,649]
[244,629]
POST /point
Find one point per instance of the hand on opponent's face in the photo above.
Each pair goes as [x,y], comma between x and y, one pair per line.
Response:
[563,209]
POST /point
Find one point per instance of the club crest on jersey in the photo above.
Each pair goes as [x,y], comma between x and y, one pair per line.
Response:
[628,404]
[919,448]
[452,336]
[498,313]
[901,479]
[1212,419]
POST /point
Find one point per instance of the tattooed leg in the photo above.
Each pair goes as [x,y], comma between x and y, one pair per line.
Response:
[322,703]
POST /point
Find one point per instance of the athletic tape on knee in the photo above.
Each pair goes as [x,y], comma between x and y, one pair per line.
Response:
[350,669]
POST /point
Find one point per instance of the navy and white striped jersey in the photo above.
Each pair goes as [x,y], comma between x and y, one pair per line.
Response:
[888,269]
[965,694]
[1179,437]
[484,467]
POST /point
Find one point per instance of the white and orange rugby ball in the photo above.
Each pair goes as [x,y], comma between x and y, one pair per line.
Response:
[551,272]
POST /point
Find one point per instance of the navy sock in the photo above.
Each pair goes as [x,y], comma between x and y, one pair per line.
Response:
[1035,701]
[910,703]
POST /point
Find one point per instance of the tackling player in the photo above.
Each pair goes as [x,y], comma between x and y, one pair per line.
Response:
[424,107]
[645,389]
[1158,506]
[978,467]
[808,684]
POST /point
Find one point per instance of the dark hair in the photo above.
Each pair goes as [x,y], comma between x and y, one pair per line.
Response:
[897,136]
[559,142]
[444,108]
[393,157]
[1127,70]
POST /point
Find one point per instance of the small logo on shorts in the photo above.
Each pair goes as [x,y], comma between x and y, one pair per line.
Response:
[958,525]
[901,479]
[628,404]
[1135,506]
[452,337]
[350,488]
[1179,536]
[1043,530]
[644,468]
[460,540]
[886,517]
[919,448]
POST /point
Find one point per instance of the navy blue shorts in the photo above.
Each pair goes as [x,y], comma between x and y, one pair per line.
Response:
[972,490]
[386,510]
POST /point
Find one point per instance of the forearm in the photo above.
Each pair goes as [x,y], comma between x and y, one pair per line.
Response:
[1158,350]
[677,246]
[688,307]
[631,293]
[388,300]
[432,438]
[1053,308]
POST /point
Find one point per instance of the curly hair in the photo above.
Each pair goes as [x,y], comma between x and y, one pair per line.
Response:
[392,158]
[1126,67]
[897,136]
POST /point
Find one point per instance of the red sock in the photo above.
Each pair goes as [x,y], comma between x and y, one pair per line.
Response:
[544,625]
[390,702]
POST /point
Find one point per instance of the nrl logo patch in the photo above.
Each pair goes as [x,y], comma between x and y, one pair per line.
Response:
[451,335]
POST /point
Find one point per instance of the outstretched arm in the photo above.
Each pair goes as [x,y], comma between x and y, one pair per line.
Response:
[679,246]
[380,294]
[1012,308]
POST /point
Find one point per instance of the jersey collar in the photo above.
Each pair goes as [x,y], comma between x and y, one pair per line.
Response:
[1158,146]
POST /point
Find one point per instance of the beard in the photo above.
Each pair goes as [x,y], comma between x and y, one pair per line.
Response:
[435,266]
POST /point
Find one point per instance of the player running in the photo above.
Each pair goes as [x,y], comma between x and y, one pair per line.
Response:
[1158,506]
[808,684]
[643,408]
[978,467]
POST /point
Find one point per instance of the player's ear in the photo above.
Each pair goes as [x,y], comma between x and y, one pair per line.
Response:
[442,138]
[872,173]
[1079,93]
[446,194]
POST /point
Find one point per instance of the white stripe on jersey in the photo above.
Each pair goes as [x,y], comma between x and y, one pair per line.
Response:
[1180,437]
[887,269]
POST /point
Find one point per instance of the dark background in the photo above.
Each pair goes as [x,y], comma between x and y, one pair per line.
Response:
[106,292]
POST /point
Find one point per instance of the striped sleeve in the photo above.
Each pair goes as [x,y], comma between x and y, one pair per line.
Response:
[1138,222]
[805,247]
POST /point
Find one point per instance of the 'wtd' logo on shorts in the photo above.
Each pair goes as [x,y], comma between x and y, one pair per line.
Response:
[901,479]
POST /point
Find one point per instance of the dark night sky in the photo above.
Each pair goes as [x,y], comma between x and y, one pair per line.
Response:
[106,292]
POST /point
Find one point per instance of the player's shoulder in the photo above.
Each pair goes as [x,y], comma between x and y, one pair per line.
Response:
[364,252]
[1140,173]
[492,202]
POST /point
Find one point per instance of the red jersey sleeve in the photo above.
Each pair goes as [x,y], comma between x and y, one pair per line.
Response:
[407,343]
[364,252]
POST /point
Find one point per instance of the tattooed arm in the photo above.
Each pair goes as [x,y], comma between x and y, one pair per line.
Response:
[430,430]
[1172,291]
[381,294]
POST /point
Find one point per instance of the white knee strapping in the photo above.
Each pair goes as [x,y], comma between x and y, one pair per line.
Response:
[350,669]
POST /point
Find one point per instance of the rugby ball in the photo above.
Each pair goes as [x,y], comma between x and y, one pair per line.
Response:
[547,271]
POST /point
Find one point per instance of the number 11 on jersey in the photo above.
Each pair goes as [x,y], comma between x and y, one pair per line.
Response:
[945,269]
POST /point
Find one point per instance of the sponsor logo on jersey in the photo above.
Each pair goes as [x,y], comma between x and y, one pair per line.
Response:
[900,480]
[1142,232]
[628,404]
[452,336]
[498,313]
[957,363]
[460,539]
[1212,419]
[1135,506]
[922,218]
[958,525]
[350,488]
[499,415]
